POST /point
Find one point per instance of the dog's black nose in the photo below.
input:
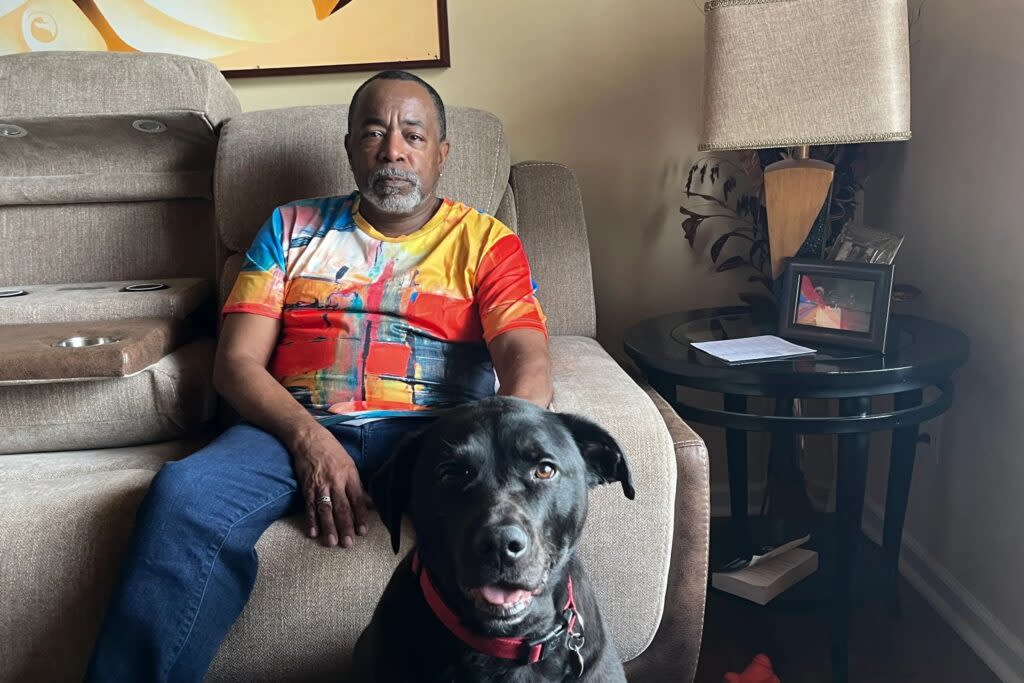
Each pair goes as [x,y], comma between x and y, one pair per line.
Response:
[508,543]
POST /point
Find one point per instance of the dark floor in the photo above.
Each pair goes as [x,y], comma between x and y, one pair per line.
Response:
[919,648]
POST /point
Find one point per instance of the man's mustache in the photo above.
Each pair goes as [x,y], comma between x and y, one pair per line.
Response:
[388,172]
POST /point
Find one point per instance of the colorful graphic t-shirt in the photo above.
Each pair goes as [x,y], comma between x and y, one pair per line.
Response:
[375,323]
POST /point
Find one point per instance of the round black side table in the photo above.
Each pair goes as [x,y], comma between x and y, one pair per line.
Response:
[919,354]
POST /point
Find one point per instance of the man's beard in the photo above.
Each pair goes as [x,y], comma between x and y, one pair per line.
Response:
[393,199]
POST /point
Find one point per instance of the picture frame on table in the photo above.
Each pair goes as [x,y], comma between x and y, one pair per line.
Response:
[838,303]
[862,244]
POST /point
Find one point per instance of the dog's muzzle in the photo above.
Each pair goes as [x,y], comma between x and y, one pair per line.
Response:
[503,545]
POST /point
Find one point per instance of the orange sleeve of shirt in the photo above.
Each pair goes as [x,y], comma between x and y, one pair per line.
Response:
[504,291]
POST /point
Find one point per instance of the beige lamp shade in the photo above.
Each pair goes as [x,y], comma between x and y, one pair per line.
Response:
[786,73]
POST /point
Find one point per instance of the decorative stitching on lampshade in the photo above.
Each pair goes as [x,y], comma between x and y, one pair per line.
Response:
[716,4]
[797,142]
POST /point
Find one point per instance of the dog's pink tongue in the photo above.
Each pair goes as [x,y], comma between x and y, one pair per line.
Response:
[501,596]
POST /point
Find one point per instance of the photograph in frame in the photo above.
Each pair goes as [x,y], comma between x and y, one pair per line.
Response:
[862,244]
[837,303]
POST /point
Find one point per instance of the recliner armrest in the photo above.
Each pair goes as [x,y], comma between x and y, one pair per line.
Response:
[58,303]
[674,653]
[626,545]
[85,350]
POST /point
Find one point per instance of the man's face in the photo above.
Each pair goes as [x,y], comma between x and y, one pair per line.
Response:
[394,146]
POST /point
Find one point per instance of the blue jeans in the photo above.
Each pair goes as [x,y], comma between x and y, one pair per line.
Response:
[191,563]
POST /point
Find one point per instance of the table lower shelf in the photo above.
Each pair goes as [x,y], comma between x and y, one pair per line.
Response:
[870,578]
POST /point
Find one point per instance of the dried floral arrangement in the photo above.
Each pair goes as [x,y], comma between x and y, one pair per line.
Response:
[728,191]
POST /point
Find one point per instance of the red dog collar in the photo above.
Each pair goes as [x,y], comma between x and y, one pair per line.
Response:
[516,649]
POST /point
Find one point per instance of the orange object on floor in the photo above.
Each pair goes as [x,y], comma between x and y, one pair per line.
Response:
[759,671]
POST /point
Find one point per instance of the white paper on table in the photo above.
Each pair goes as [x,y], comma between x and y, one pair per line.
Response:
[753,349]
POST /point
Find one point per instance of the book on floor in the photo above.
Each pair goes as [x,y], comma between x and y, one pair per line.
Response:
[766,552]
[764,580]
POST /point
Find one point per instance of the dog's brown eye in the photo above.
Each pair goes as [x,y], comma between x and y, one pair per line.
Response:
[545,470]
[451,471]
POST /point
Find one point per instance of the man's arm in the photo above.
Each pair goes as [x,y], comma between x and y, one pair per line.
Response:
[240,375]
[322,466]
[523,364]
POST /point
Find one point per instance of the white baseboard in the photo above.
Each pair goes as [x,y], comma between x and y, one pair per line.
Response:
[990,639]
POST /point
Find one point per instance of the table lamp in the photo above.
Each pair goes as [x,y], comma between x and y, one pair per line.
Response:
[797,73]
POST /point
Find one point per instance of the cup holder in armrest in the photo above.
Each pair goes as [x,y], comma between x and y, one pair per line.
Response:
[157,297]
[79,342]
[47,352]
[144,287]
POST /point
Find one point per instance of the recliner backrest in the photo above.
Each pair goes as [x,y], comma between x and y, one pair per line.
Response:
[106,166]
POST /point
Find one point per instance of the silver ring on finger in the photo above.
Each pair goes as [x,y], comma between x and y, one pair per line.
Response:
[323,500]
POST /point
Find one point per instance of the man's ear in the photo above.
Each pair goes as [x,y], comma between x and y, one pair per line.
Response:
[391,486]
[443,149]
[605,461]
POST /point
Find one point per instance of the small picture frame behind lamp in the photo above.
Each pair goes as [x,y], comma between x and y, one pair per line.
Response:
[837,303]
[861,244]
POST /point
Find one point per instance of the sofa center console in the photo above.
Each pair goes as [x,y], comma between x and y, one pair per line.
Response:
[85,350]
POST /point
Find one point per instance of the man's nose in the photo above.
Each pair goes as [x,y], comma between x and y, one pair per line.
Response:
[392,147]
[506,543]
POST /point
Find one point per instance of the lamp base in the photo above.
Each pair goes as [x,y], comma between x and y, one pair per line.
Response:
[796,196]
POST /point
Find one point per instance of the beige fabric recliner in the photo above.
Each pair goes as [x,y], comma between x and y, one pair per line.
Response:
[93,199]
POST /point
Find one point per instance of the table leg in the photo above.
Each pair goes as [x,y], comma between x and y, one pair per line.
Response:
[852,466]
[736,453]
[901,471]
[790,510]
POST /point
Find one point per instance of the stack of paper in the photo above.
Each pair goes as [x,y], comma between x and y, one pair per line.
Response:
[753,349]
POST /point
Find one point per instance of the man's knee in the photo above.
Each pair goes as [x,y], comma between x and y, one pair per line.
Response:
[179,486]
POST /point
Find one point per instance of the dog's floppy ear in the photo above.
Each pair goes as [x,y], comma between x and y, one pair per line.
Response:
[605,461]
[391,486]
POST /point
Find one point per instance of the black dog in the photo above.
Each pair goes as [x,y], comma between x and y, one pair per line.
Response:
[497,493]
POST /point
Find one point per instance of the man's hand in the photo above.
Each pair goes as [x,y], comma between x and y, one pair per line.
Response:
[324,469]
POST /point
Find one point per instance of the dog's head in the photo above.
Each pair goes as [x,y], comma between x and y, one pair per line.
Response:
[497,492]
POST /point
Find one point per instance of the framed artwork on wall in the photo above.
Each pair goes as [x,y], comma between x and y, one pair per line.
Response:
[242,37]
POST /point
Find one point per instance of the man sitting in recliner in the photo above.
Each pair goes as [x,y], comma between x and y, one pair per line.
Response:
[351,319]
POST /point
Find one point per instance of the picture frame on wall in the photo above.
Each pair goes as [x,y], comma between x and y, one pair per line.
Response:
[242,37]
[838,303]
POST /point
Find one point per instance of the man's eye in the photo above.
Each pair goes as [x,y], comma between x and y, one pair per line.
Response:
[373,134]
[545,470]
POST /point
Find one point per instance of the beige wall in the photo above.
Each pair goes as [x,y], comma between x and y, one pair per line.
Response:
[955,190]
[610,88]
